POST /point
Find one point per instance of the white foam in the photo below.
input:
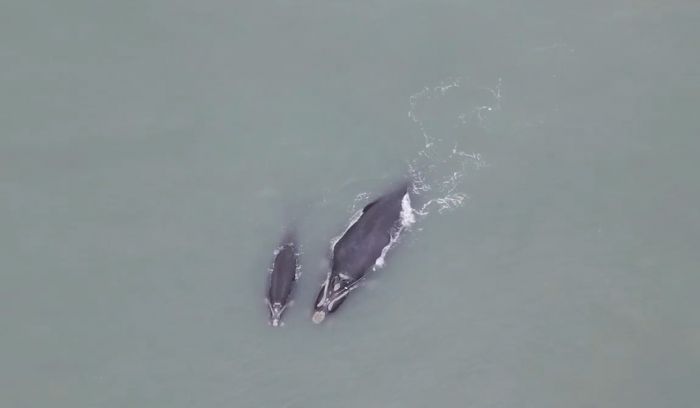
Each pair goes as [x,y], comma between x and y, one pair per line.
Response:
[394,237]
[406,218]
[441,112]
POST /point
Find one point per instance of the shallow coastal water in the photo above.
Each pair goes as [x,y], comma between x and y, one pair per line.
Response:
[152,153]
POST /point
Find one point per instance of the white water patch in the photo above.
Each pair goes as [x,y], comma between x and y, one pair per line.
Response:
[394,237]
[406,220]
[407,216]
[449,115]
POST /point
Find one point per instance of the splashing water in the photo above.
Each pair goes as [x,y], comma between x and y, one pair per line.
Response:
[446,115]
[407,219]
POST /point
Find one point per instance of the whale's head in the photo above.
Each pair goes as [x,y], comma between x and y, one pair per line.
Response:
[276,310]
[332,294]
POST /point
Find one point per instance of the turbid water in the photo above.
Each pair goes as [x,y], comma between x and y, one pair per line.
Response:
[152,153]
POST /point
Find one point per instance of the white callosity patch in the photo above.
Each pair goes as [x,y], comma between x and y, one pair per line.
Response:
[324,286]
[318,316]
[276,311]
[338,298]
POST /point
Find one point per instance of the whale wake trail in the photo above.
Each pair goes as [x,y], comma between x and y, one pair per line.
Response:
[449,116]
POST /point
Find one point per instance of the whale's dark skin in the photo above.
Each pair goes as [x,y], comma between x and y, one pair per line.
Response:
[357,251]
[283,274]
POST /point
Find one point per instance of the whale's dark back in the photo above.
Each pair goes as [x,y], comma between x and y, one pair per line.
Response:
[359,248]
[283,272]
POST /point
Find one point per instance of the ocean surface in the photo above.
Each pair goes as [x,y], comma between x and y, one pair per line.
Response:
[153,152]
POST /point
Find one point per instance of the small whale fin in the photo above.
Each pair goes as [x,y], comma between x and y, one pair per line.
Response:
[402,188]
[367,207]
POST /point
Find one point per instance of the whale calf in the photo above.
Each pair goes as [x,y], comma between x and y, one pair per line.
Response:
[283,273]
[362,248]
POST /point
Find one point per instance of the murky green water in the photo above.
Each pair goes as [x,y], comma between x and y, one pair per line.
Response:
[150,153]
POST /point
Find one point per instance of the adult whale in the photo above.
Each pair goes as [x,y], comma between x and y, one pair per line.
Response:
[283,273]
[362,248]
